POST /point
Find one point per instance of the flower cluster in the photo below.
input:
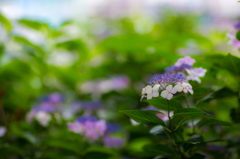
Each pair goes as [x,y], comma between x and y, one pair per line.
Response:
[93,129]
[174,80]
[3,130]
[89,127]
[42,112]
[105,85]
[232,37]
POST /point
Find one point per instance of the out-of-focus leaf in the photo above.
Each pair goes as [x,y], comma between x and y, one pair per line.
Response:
[238,35]
[143,117]
[232,63]
[208,122]
[223,93]
[200,92]
[158,149]
[31,24]
[6,23]
[197,156]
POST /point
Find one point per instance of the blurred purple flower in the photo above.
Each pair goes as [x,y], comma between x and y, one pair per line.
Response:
[53,98]
[195,73]
[186,60]
[233,40]
[89,127]
[237,26]
[174,68]
[3,130]
[106,85]
[113,128]
[113,142]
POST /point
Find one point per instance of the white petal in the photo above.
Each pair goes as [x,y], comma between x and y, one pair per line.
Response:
[169,88]
[174,90]
[169,96]
[164,94]
[149,96]
[191,91]
[179,88]
[148,89]
[143,91]
[142,97]
[156,87]
[185,90]
[155,94]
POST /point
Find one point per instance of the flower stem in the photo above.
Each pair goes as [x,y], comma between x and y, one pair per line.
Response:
[193,127]
[172,130]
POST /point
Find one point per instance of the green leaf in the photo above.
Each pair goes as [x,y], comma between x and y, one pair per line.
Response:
[161,103]
[159,131]
[5,23]
[209,122]
[238,35]
[31,24]
[154,112]
[224,92]
[197,156]
[188,112]
[232,64]
[158,149]
[200,92]
[193,117]
[143,117]
[194,139]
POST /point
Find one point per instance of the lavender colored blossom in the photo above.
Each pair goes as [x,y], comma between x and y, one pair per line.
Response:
[113,142]
[113,128]
[186,60]
[83,119]
[89,127]
[164,79]
[174,68]
[237,26]
[3,130]
[195,73]
[86,105]
[233,40]
[45,106]
[53,98]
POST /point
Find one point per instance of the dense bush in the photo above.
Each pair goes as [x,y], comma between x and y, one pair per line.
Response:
[65,90]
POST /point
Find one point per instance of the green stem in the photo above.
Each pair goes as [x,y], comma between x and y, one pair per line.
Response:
[172,130]
[193,127]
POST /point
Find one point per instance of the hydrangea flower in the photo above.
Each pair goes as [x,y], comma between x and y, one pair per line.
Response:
[237,26]
[3,130]
[50,105]
[162,82]
[168,93]
[89,127]
[186,60]
[195,73]
[113,142]
[233,40]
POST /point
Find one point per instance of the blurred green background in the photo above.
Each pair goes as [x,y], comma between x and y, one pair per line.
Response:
[73,56]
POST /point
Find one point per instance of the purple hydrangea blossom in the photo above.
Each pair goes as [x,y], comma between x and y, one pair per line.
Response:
[195,73]
[89,127]
[237,26]
[113,142]
[53,98]
[164,79]
[3,130]
[186,60]
[233,40]
[113,128]
[174,68]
